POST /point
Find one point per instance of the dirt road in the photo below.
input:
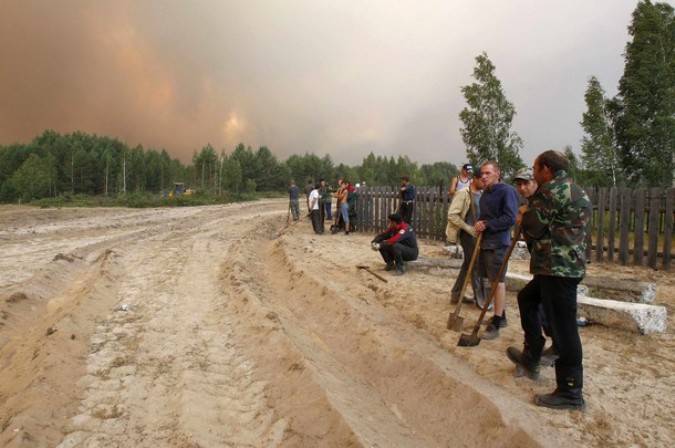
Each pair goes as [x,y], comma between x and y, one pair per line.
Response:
[196,327]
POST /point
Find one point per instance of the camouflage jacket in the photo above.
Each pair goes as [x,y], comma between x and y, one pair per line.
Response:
[556,221]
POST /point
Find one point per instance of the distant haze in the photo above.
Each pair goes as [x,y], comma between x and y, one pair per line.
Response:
[326,77]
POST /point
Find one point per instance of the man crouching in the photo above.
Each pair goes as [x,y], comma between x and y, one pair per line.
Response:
[397,243]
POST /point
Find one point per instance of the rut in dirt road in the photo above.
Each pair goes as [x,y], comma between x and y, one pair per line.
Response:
[164,367]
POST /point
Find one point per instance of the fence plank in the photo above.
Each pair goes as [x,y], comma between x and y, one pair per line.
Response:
[639,227]
[611,242]
[599,245]
[624,224]
[668,228]
[653,230]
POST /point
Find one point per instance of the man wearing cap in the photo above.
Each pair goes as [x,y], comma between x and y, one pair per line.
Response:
[408,193]
[397,243]
[526,186]
[461,181]
[557,221]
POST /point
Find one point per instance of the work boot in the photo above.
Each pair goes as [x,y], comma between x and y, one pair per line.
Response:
[562,399]
[492,330]
[529,368]
[454,299]
[502,321]
[400,270]
[390,266]
[549,357]
[567,395]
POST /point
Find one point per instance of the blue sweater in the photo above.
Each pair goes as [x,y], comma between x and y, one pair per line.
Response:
[499,208]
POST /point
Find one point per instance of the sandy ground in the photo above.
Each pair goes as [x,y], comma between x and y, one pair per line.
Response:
[214,326]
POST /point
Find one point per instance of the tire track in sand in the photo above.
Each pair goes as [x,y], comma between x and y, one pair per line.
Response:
[165,372]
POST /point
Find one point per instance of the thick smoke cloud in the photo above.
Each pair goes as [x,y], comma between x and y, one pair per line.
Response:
[338,78]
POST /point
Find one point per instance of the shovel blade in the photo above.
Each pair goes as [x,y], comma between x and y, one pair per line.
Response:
[455,322]
[468,340]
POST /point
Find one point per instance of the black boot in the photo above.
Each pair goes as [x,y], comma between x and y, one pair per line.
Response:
[390,266]
[524,362]
[400,269]
[549,356]
[566,396]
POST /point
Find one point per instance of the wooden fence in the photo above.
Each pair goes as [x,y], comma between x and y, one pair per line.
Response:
[628,225]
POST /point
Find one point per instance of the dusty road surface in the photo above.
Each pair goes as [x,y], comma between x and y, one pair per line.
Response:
[221,327]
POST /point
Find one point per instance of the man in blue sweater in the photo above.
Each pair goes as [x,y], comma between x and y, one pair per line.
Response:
[498,212]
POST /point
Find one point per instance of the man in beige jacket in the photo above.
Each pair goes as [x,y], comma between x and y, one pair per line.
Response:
[462,216]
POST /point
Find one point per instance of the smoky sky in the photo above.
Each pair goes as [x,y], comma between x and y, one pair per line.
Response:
[342,78]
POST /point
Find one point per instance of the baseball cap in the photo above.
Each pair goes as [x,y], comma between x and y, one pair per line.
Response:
[523,174]
[467,167]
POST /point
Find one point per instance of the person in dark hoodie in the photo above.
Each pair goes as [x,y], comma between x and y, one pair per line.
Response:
[397,243]
[498,212]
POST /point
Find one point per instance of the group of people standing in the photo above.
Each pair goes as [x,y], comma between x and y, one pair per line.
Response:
[549,211]
[553,220]
[319,204]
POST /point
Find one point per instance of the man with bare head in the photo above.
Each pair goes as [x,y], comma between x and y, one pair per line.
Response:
[498,211]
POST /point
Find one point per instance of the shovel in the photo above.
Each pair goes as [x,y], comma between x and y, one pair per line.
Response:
[471,340]
[287,228]
[454,320]
[367,269]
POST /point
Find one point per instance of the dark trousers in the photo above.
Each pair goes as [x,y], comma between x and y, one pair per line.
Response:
[317,223]
[295,208]
[327,211]
[398,253]
[558,295]
[406,211]
[468,244]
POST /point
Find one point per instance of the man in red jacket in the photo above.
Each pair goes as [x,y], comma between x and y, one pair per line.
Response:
[397,243]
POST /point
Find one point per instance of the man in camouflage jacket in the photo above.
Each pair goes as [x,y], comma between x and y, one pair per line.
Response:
[556,221]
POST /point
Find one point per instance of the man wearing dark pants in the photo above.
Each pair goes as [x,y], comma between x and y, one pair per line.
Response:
[498,211]
[526,187]
[294,199]
[397,243]
[408,194]
[462,215]
[556,221]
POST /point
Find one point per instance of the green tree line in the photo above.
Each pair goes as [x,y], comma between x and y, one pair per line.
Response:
[54,165]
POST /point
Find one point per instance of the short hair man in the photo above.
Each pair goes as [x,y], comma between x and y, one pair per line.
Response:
[498,211]
[462,215]
[397,243]
[315,209]
[294,199]
[557,222]
[408,194]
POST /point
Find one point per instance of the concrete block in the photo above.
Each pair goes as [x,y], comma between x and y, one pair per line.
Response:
[434,263]
[637,317]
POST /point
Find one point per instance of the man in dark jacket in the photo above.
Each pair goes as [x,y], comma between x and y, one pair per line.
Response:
[498,212]
[397,243]
[408,194]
